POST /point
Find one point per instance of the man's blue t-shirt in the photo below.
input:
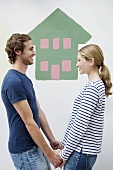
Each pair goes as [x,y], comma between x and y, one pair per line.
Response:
[16,87]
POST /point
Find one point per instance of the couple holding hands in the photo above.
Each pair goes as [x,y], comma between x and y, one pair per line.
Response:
[83,137]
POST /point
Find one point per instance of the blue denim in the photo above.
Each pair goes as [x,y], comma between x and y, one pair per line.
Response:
[80,161]
[33,159]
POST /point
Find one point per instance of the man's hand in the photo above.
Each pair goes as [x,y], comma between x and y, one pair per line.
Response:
[56,145]
[55,159]
[57,152]
[64,161]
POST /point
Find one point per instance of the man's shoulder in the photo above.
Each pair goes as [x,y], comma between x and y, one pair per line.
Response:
[11,78]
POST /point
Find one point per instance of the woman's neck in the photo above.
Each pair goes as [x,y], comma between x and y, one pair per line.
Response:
[94,75]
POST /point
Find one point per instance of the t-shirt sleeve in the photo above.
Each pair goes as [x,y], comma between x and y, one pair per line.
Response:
[15,91]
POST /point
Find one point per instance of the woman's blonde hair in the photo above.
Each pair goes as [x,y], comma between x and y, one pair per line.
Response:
[94,51]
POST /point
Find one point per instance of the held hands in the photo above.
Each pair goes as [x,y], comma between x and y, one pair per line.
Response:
[57,161]
[54,159]
[57,152]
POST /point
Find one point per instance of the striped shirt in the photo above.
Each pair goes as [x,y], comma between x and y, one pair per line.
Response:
[85,127]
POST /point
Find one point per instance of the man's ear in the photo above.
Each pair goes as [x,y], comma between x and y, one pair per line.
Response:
[17,52]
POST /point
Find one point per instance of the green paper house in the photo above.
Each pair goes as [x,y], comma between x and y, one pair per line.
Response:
[56,40]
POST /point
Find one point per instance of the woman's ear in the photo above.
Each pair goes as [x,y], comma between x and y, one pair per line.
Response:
[92,61]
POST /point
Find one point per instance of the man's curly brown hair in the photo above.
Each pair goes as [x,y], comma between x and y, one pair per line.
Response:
[16,43]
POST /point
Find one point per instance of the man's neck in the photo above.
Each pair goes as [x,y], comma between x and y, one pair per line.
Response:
[20,68]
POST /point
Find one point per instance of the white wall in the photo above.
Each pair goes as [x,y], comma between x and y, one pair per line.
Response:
[56,97]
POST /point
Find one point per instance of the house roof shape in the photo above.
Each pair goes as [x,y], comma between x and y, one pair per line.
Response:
[58,21]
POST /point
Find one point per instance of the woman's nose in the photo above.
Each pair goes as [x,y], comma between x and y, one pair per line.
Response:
[76,64]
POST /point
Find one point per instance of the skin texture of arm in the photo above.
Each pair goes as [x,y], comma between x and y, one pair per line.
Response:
[25,113]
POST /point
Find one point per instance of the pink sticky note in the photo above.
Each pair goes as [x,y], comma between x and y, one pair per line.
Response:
[44,43]
[55,72]
[44,66]
[55,43]
[67,43]
[66,65]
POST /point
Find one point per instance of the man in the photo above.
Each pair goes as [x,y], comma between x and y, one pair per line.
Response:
[27,146]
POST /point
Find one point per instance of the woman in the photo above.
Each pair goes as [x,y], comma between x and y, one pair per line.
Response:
[83,137]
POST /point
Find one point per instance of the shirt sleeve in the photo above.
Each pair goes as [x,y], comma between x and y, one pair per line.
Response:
[80,121]
[15,91]
[66,132]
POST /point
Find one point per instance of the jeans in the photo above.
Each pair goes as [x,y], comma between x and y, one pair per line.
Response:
[80,161]
[33,159]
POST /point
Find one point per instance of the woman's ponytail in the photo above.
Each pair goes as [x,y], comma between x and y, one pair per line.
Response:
[106,78]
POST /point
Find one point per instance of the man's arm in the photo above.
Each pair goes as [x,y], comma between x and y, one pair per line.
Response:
[44,124]
[47,131]
[25,113]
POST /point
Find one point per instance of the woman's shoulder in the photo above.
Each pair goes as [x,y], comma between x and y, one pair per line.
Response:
[96,86]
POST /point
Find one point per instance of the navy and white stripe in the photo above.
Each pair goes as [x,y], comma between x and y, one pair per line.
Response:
[85,127]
